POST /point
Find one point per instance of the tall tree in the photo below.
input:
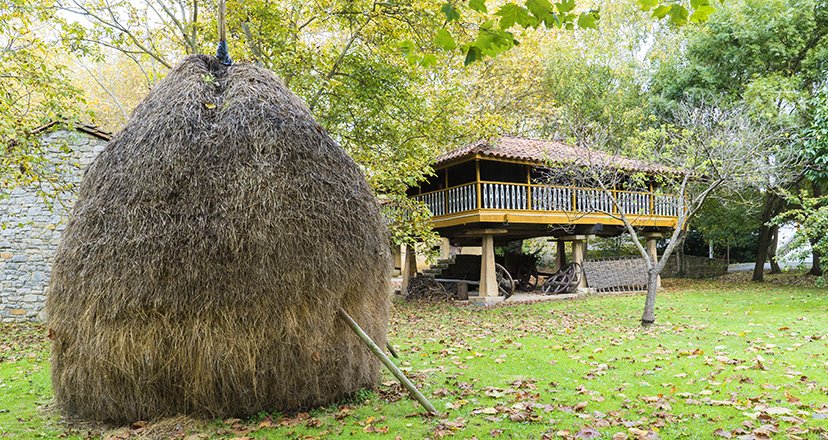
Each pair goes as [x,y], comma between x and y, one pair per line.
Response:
[710,150]
[810,205]
[34,90]
[768,53]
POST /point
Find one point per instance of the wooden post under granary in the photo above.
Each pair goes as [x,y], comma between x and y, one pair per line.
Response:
[501,184]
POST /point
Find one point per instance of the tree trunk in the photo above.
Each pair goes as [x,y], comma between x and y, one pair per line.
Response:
[648,318]
[816,268]
[774,243]
[769,208]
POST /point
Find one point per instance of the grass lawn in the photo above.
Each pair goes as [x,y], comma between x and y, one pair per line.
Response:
[723,360]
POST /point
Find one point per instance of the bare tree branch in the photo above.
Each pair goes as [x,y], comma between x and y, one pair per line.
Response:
[710,149]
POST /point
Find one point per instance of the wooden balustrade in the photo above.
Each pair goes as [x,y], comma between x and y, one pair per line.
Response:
[504,196]
[462,198]
[535,197]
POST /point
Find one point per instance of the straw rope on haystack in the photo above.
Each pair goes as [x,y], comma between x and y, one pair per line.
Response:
[212,244]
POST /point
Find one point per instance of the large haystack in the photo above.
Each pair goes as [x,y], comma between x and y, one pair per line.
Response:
[210,247]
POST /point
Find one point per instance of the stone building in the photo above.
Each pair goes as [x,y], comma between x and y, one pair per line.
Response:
[30,225]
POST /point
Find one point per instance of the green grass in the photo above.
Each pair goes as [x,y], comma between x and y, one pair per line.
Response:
[725,357]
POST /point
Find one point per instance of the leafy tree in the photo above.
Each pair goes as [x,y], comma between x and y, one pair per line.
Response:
[731,221]
[597,78]
[816,138]
[769,54]
[484,32]
[811,204]
[34,90]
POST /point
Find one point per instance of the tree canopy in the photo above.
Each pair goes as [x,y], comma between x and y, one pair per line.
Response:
[34,90]
[397,83]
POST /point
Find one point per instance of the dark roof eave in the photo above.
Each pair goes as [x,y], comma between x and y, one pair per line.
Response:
[89,129]
[474,152]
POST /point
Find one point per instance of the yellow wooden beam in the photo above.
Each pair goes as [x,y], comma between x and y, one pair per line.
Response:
[545,218]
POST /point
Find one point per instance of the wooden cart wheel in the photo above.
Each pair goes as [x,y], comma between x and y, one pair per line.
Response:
[527,278]
[505,283]
[564,281]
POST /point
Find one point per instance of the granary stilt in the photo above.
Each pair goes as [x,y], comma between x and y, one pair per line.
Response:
[488,278]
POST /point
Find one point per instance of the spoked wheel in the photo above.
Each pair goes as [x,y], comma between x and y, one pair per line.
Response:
[527,278]
[505,283]
[564,281]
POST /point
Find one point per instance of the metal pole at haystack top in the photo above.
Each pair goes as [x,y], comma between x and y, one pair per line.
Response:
[222,53]
[222,21]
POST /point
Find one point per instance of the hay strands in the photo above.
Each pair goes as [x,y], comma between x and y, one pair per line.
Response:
[387,362]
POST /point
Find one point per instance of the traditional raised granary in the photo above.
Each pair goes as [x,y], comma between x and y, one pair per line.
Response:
[492,192]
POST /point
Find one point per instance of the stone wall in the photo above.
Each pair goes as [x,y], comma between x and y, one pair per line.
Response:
[695,267]
[30,229]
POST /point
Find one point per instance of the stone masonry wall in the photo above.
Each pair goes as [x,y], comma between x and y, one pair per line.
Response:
[695,267]
[30,230]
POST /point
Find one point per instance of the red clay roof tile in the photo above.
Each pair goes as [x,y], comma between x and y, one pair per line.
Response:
[545,151]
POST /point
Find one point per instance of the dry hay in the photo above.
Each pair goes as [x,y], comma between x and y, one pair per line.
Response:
[211,244]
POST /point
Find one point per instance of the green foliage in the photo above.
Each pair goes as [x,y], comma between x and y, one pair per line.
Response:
[512,17]
[816,138]
[450,12]
[409,221]
[478,5]
[444,40]
[511,13]
[542,10]
[811,215]
[768,52]
[595,94]
[34,90]
[729,222]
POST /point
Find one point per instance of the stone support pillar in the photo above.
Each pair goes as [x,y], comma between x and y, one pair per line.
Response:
[445,248]
[409,268]
[579,252]
[488,278]
[487,291]
[579,248]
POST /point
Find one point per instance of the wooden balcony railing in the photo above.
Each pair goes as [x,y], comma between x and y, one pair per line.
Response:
[546,198]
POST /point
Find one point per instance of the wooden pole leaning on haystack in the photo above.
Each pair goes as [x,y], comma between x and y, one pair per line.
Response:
[387,362]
